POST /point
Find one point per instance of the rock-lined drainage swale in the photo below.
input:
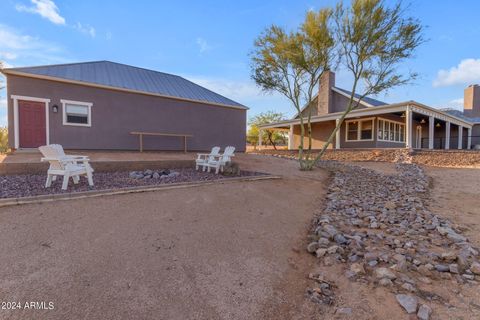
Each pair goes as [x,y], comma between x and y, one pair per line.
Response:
[380,229]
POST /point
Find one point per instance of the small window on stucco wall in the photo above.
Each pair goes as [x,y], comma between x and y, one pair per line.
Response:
[352,130]
[359,130]
[77,113]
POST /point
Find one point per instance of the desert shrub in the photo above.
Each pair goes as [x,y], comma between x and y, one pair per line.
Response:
[3,140]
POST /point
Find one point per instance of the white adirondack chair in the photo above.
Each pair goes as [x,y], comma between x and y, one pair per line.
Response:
[219,161]
[203,158]
[65,165]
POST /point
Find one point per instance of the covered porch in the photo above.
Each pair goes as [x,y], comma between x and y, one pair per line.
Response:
[406,125]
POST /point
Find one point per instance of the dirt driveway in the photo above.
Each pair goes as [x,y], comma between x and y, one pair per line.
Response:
[456,195]
[226,251]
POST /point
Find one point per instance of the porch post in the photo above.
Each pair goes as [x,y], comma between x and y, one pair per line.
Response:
[260,133]
[16,124]
[469,138]
[460,136]
[431,127]
[337,135]
[447,135]
[290,138]
[408,133]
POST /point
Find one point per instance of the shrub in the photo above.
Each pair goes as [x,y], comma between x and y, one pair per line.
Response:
[3,140]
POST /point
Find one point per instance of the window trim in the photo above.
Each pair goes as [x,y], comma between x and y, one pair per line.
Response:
[80,103]
[394,122]
[359,131]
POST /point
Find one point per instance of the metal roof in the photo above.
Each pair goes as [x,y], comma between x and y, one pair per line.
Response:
[461,114]
[367,101]
[370,101]
[117,75]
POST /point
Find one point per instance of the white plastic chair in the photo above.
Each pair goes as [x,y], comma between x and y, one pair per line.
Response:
[65,165]
[203,158]
[219,161]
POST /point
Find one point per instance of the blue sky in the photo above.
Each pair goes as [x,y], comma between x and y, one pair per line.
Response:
[208,42]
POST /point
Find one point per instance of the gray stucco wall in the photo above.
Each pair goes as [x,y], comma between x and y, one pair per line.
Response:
[375,143]
[312,109]
[476,135]
[340,103]
[321,132]
[116,113]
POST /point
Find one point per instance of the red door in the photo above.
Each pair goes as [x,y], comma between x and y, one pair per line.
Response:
[33,132]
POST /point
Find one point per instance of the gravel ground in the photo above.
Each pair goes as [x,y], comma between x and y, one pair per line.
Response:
[32,185]
[211,252]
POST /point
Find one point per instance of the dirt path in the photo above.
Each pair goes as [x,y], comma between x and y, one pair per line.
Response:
[456,194]
[213,252]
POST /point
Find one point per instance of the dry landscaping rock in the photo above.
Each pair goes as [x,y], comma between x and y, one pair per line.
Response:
[15,186]
[385,233]
[424,312]
[408,302]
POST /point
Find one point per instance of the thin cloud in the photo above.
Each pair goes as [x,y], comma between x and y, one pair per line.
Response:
[456,104]
[5,55]
[17,46]
[86,29]
[45,8]
[231,89]
[203,45]
[49,10]
[11,40]
[243,91]
[467,72]
[458,101]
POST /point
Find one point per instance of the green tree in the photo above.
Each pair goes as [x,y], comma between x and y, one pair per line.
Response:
[369,38]
[269,136]
[292,63]
[374,40]
[3,140]
[3,130]
[2,82]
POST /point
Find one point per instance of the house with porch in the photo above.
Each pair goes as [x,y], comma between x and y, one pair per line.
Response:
[377,124]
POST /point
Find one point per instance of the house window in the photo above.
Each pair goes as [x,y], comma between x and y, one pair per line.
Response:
[352,130]
[391,131]
[366,130]
[359,130]
[76,113]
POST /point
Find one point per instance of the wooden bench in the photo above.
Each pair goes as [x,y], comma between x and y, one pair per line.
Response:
[141,134]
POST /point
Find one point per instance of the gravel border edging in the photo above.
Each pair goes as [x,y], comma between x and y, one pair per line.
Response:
[5,202]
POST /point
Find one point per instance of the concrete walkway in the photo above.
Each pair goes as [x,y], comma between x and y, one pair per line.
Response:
[214,252]
[34,156]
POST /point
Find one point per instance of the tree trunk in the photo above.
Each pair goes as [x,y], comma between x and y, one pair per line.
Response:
[270,135]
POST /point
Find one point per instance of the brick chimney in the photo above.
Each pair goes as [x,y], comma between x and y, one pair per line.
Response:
[471,101]
[325,99]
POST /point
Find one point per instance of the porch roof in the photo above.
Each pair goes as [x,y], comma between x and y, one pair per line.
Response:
[390,108]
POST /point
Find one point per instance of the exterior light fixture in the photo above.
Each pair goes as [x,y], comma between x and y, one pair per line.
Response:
[438,125]
[422,121]
[55,108]
[403,115]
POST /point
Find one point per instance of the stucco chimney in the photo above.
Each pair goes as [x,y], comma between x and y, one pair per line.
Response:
[471,101]
[325,99]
